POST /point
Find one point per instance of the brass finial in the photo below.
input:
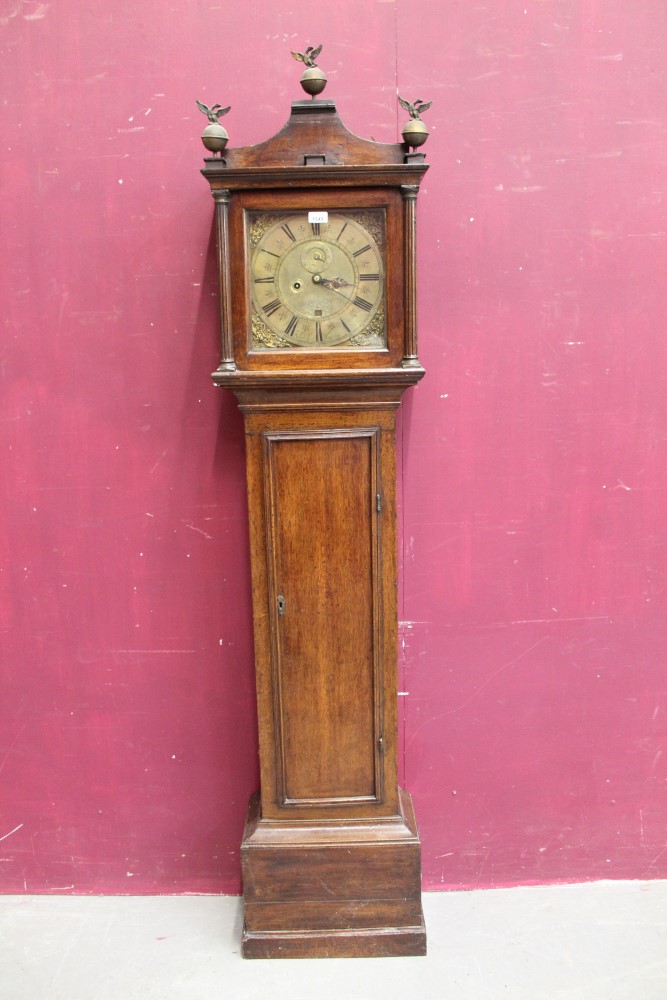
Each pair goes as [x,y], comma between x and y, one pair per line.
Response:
[214,136]
[415,132]
[313,80]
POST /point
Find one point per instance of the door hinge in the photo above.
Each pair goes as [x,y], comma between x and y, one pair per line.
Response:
[378,502]
[281,604]
[380,744]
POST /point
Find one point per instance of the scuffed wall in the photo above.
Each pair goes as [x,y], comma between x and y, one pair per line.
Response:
[534,477]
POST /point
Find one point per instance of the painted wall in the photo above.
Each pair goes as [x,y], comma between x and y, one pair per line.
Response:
[534,704]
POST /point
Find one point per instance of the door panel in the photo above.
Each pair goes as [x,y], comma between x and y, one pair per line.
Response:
[324,552]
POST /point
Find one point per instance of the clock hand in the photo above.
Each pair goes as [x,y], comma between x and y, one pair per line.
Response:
[334,284]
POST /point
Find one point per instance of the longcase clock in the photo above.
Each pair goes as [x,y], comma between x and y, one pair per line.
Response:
[317,281]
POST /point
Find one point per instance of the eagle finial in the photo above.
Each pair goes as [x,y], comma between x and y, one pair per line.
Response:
[416,109]
[313,79]
[213,113]
[414,131]
[309,56]
[214,135]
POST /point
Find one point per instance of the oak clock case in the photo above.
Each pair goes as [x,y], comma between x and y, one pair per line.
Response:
[317,281]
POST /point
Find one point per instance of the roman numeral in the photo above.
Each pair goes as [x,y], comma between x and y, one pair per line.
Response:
[264,281]
[362,304]
[369,277]
[270,252]
[358,253]
[271,307]
[341,232]
[315,226]
[318,332]
[288,232]
[346,326]
[291,326]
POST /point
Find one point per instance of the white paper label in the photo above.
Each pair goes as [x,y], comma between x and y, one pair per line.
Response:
[321,217]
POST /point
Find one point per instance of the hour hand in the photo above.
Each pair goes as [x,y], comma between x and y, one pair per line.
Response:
[334,283]
[340,283]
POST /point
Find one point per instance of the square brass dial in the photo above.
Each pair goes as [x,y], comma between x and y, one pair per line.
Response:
[317,279]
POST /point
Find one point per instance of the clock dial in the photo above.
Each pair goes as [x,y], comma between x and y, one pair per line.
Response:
[317,279]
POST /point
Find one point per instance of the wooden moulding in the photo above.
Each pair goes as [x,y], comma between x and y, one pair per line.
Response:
[346,890]
[325,380]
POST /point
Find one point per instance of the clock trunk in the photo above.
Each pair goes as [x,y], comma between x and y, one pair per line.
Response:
[330,854]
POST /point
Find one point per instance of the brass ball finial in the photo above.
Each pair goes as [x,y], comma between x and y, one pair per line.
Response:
[415,132]
[214,136]
[313,79]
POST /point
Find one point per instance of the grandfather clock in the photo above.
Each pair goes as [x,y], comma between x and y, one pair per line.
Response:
[317,282]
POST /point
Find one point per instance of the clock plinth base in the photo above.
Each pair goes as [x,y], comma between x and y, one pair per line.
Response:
[332,889]
[366,943]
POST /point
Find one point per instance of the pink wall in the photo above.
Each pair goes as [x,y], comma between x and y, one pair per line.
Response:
[534,453]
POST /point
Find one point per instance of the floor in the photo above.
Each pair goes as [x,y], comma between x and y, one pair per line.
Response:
[602,941]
